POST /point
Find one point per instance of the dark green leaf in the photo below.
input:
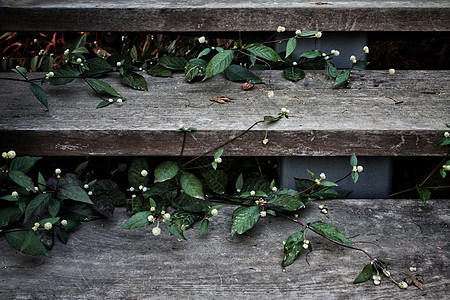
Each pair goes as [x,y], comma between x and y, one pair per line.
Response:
[77,211]
[244,218]
[264,52]
[9,215]
[289,204]
[174,229]
[293,74]
[342,76]
[102,86]
[191,204]
[290,47]
[47,64]
[10,198]
[63,75]
[41,182]
[39,93]
[365,275]
[424,193]
[103,204]
[308,33]
[331,69]
[361,63]
[191,185]
[293,247]
[355,176]
[173,62]
[46,237]
[53,206]
[75,193]
[103,103]
[158,70]
[353,160]
[204,52]
[49,220]
[240,182]
[138,220]
[216,181]
[219,63]
[20,71]
[312,54]
[79,42]
[195,68]
[63,235]
[444,142]
[166,171]
[24,163]
[329,231]
[97,66]
[134,173]
[135,80]
[33,245]
[204,226]
[238,73]
[21,179]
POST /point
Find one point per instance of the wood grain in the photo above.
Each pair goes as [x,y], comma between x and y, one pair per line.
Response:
[363,119]
[103,261]
[237,15]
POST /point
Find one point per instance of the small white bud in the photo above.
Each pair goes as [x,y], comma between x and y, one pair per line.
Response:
[214,212]
[294,63]
[270,94]
[131,189]
[238,190]
[321,206]
[298,32]
[366,49]
[36,188]
[141,187]
[144,189]
[322,176]
[391,71]
[151,218]
[15,194]
[123,38]
[318,35]
[79,60]
[353,58]
[265,141]
[152,208]
[119,64]
[166,216]
[144,173]
[413,269]
[326,57]
[48,226]
[163,212]
[90,193]
[263,213]
[360,168]
[446,134]
[34,228]
[252,193]
[119,100]
[281,29]
[403,285]
[156,231]
[35,40]
[305,246]
[5,155]
[274,189]
[306,242]
[133,196]
[324,211]
[218,160]
[63,222]
[446,167]
[66,52]
[58,171]
[11,154]
[86,186]
[317,181]
[50,74]
[201,39]
[355,169]
[376,282]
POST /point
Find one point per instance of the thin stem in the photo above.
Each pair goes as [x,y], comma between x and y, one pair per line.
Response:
[183,144]
[434,170]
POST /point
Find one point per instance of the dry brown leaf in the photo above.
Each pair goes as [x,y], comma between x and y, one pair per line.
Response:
[247,86]
[221,100]
[416,279]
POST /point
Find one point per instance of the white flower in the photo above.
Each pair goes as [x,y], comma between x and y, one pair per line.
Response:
[63,222]
[50,74]
[141,187]
[305,246]
[238,190]
[306,242]
[446,167]
[265,141]
[274,189]
[412,269]
[294,63]
[66,52]
[355,169]
[391,71]
[263,213]
[11,154]
[335,52]
[119,64]
[353,59]
[324,211]
[5,155]
[321,206]
[326,57]
[119,100]
[281,29]
[133,196]
[79,60]
[446,134]
[15,194]
[322,176]
[34,228]
[166,216]
[36,188]
[252,193]
[376,277]
[37,224]
[152,208]
[377,282]
[360,168]
[366,49]
[123,38]
[270,94]
[86,186]
[151,218]
[156,231]
[90,193]
[403,285]
[214,212]
[285,111]
[298,32]
[163,212]
[317,181]
[58,171]
[131,189]
[144,189]
[48,226]
[144,173]
[318,35]
[201,39]
[218,160]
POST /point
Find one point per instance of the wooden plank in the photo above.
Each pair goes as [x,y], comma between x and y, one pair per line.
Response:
[325,122]
[238,15]
[103,261]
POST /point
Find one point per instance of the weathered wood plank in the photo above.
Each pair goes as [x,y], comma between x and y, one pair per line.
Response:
[364,119]
[199,15]
[103,261]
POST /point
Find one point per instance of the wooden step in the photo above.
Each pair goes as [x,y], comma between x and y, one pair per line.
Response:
[380,115]
[103,261]
[203,16]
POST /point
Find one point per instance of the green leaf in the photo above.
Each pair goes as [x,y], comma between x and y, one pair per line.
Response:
[20,71]
[135,80]
[361,63]
[240,182]
[97,66]
[34,62]
[195,68]
[9,215]
[293,74]
[53,206]
[308,33]
[79,42]
[244,218]
[329,231]
[444,142]
[365,275]
[204,226]
[24,163]
[33,245]
[290,47]
[138,220]
[75,193]
[166,171]
[70,72]
[443,173]
[342,76]
[103,103]
[312,54]
[289,204]
[49,220]
[191,204]
[216,181]
[218,154]
[353,160]
[134,173]
[355,176]
[331,69]
[102,86]
[42,184]
[264,52]
[174,229]
[63,235]
[424,193]
[328,183]
[173,62]
[158,70]
[238,73]
[204,52]
[219,63]
[10,198]
[21,179]
[293,247]
[39,93]
[191,185]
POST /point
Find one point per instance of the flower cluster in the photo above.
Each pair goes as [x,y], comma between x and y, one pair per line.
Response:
[358,169]
[9,155]
[323,209]
[305,244]
[285,112]
[335,52]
